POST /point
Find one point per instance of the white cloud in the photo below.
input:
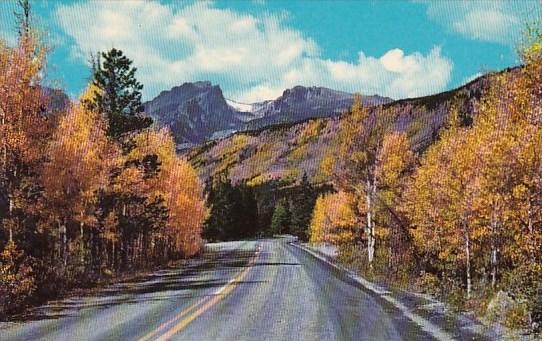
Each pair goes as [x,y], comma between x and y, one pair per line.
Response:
[394,74]
[498,21]
[251,57]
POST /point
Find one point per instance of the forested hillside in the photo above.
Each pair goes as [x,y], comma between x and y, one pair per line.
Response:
[288,151]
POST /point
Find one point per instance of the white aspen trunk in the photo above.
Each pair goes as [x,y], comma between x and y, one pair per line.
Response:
[493,266]
[64,243]
[371,188]
[10,215]
[368,231]
[493,251]
[467,254]
[530,218]
[82,241]
[113,254]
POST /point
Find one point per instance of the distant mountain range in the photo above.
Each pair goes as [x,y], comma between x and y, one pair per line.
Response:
[196,112]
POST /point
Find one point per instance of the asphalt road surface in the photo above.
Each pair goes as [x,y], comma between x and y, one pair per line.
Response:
[253,290]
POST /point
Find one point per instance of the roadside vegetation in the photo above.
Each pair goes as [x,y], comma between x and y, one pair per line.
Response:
[89,191]
[461,220]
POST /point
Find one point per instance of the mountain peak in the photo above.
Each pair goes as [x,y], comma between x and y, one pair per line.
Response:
[193,111]
[202,84]
[198,111]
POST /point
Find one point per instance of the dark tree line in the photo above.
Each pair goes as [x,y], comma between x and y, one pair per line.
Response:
[234,211]
[292,213]
[239,211]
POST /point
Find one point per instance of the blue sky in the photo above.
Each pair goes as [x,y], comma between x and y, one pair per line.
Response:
[256,49]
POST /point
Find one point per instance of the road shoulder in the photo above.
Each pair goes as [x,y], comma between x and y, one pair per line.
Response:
[426,312]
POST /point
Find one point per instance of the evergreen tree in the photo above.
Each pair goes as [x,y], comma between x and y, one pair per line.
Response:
[248,219]
[234,212]
[280,222]
[23,18]
[118,94]
[233,226]
[219,210]
[302,207]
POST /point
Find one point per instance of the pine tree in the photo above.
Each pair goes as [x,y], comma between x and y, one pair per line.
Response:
[249,218]
[118,94]
[302,207]
[281,219]
[223,216]
[23,18]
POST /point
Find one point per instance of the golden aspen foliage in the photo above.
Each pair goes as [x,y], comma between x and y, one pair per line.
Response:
[187,211]
[333,220]
[177,183]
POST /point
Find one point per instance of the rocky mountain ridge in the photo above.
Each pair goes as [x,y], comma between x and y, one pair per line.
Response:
[196,112]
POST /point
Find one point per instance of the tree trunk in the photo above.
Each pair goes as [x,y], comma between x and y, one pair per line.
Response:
[64,243]
[10,216]
[59,239]
[371,193]
[368,230]
[493,251]
[113,254]
[82,241]
[467,255]
[530,218]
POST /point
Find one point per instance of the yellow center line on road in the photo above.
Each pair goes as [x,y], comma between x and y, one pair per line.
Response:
[203,305]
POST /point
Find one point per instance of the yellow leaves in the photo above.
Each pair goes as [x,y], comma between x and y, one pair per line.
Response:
[394,159]
[481,182]
[353,133]
[89,93]
[333,219]
[22,125]
[327,163]
[187,211]
[80,159]
[298,153]
[229,150]
[155,142]
[130,180]
[310,130]
[257,180]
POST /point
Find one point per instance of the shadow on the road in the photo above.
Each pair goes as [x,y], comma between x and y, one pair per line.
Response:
[212,270]
[276,264]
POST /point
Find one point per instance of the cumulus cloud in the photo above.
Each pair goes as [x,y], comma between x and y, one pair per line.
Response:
[486,20]
[251,57]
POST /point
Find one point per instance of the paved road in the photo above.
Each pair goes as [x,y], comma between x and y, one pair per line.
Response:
[257,290]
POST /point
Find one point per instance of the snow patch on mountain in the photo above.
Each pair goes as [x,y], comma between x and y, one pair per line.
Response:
[243,107]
